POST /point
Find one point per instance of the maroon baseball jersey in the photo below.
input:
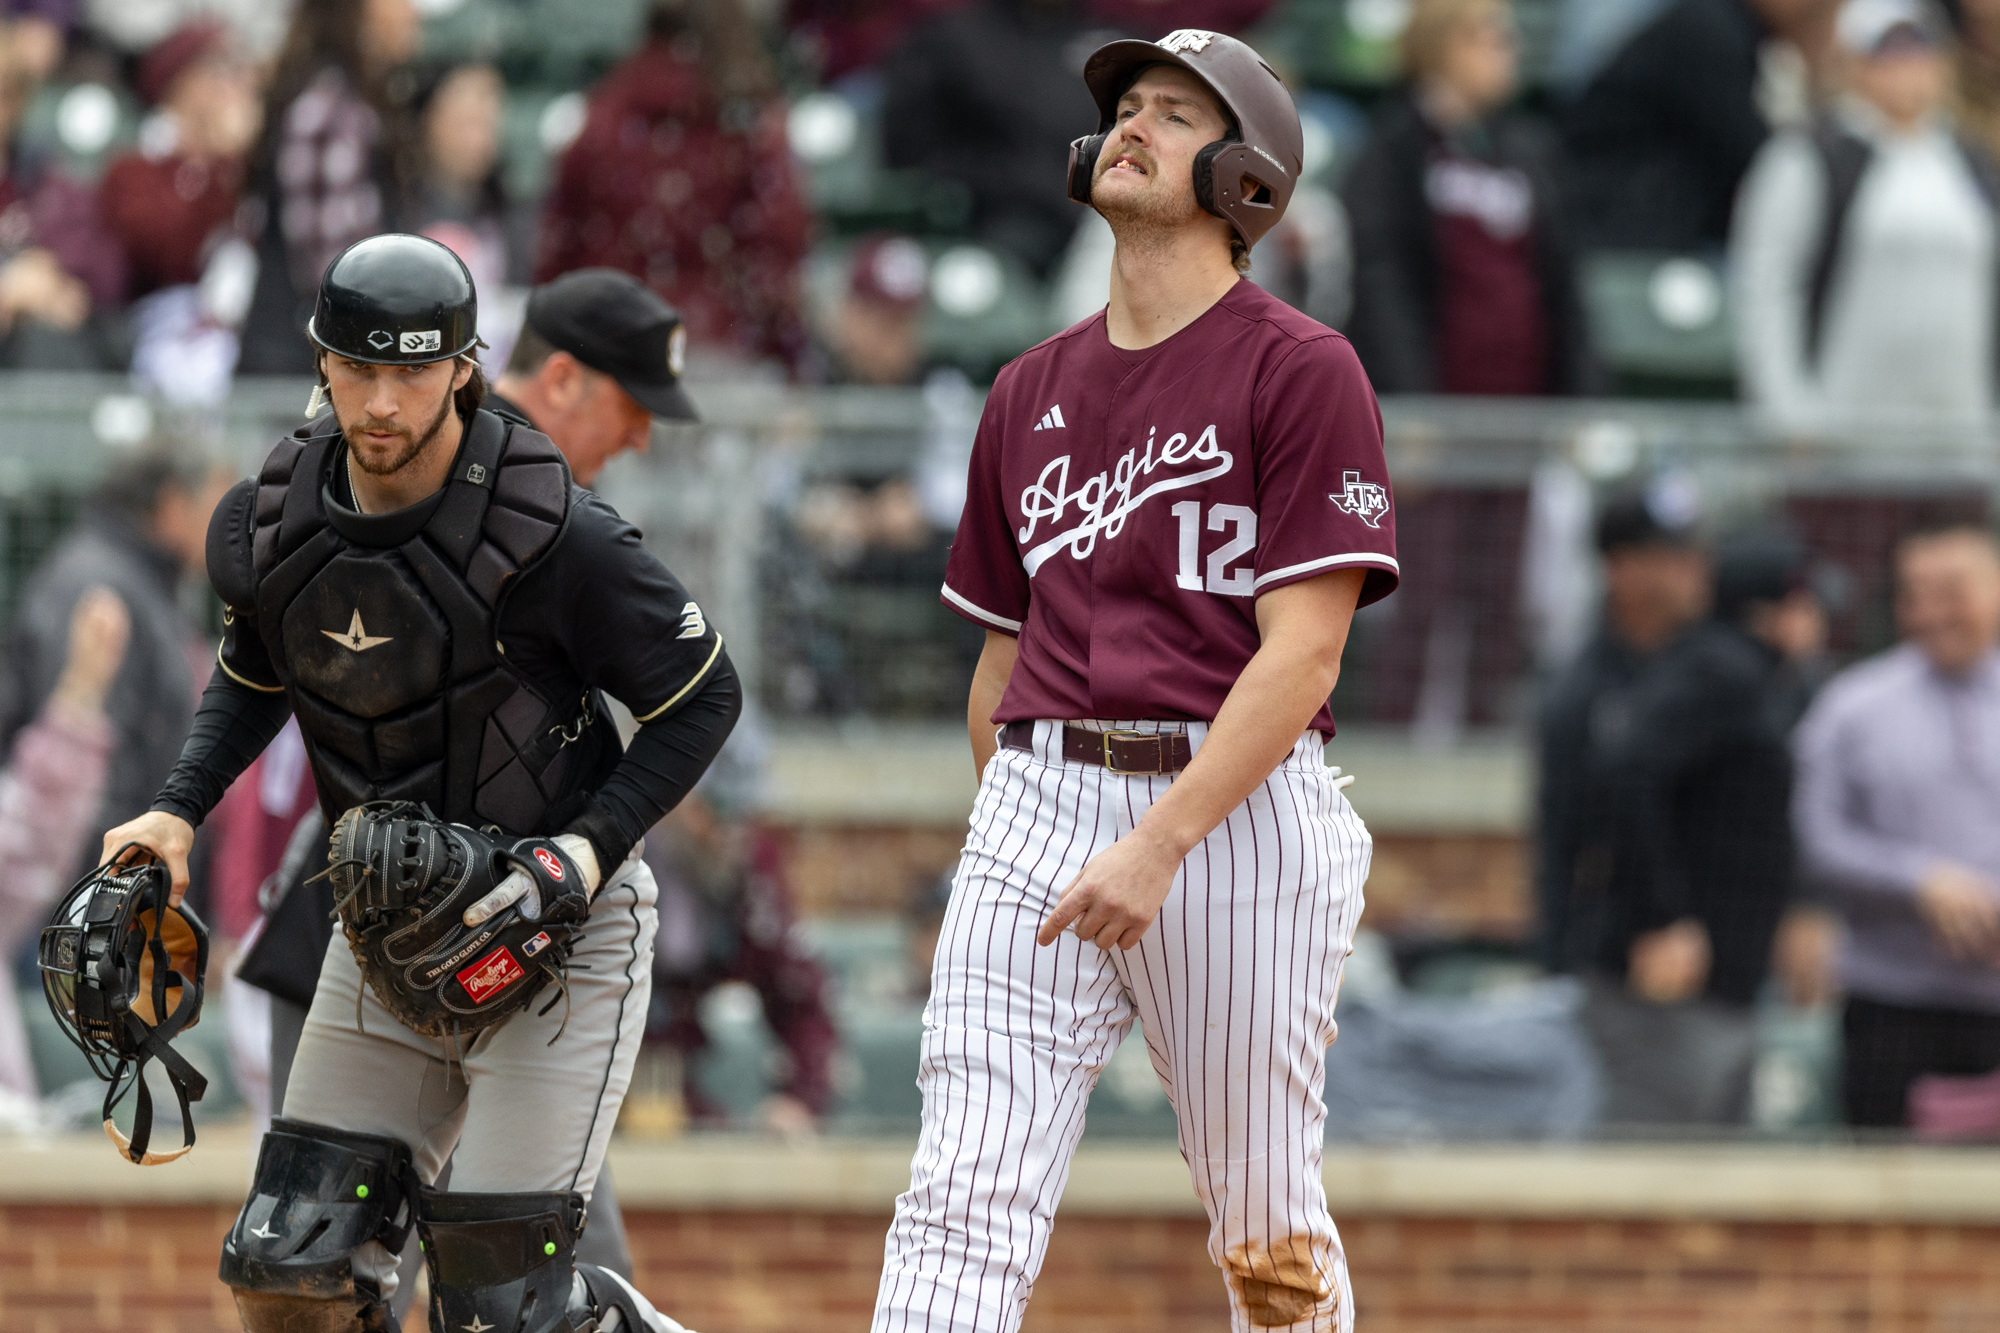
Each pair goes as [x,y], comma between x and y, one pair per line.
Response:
[1125,509]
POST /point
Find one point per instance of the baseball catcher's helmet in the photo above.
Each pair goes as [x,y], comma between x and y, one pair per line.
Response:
[396,300]
[1248,176]
[122,971]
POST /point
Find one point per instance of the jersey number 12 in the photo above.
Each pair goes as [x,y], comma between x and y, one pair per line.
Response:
[1221,578]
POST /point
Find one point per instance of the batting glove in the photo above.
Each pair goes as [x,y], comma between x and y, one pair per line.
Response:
[520,885]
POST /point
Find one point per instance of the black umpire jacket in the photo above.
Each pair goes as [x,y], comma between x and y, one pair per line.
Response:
[1666,793]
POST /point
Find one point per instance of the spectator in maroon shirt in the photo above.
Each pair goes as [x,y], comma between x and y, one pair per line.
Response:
[58,264]
[172,198]
[1464,278]
[682,177]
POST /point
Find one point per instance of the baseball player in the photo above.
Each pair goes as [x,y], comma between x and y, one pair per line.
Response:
[421,584]
[1174,509]
[595,396]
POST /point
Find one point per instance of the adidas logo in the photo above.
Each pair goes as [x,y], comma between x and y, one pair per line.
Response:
[1052,419]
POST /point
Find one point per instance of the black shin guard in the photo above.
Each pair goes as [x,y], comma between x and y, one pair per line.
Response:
[504,1262]
[320,1195]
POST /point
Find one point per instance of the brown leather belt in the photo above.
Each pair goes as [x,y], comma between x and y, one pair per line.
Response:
[1141,752]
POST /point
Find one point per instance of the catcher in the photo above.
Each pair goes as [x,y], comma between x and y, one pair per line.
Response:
[421,584]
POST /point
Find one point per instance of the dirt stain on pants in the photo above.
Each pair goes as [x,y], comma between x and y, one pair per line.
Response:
[1279,1285]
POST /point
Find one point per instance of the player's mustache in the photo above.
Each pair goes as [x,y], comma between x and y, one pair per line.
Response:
[1139,157]
[370,423]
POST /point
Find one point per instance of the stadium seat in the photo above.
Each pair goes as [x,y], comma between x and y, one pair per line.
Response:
[570,45]
[80,126]
[1660,323]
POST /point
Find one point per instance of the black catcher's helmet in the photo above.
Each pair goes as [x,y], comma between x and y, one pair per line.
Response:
[396,300]
[122,971]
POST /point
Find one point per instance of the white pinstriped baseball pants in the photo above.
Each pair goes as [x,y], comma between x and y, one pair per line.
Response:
[1234,988]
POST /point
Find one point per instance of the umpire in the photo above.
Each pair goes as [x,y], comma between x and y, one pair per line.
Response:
[599,356]
[422,584]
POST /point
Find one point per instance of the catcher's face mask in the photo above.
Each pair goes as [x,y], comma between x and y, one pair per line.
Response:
[122,971]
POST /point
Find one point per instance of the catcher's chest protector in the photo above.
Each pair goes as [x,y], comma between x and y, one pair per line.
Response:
[385,633]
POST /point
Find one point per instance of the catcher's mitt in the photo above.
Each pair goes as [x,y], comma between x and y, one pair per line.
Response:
[402,880]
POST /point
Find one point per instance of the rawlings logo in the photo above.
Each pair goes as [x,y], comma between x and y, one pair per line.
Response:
[550,862]
[490,975]
[1366,500]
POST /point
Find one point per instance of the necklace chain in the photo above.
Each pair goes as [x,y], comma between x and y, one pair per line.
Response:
[353,491]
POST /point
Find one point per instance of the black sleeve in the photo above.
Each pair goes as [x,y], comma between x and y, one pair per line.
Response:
[243,706]
[628,627]
[625,624]
[1704,706]
[664,761]
[1573,359]
[233,725]
[1562,747]
[915,90]
[1393,233]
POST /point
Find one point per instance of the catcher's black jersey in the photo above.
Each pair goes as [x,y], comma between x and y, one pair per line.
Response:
[596,611]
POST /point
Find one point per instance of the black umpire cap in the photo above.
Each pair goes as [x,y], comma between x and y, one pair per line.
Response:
[612,323]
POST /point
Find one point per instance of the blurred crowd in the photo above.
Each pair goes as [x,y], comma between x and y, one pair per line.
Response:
[1723,818]
[1500,196]
[1500,199]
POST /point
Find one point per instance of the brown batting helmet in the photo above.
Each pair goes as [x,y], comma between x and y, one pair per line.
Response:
[1248,176]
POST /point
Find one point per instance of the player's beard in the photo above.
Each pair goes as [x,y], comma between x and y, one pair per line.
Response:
[413,446]
[1153,215]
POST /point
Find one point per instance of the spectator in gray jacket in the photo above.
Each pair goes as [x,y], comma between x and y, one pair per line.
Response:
[143,531]
[1863,254]
[1897,810]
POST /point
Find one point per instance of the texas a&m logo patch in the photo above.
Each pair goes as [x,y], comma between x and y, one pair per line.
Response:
[1366,500]
[490,975]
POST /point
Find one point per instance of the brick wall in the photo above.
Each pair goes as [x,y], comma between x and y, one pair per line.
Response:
[1420,884]
[151,1270]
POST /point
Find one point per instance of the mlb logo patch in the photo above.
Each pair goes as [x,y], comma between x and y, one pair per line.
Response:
[535,945]
[423,340]
[490,975]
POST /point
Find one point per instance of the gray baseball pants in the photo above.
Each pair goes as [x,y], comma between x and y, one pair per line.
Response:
[522,1110]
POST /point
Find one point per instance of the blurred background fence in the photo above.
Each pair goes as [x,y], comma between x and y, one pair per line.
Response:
[813,523]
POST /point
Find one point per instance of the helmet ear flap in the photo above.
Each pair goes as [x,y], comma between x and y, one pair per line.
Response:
[1083,154]
[1204,174]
